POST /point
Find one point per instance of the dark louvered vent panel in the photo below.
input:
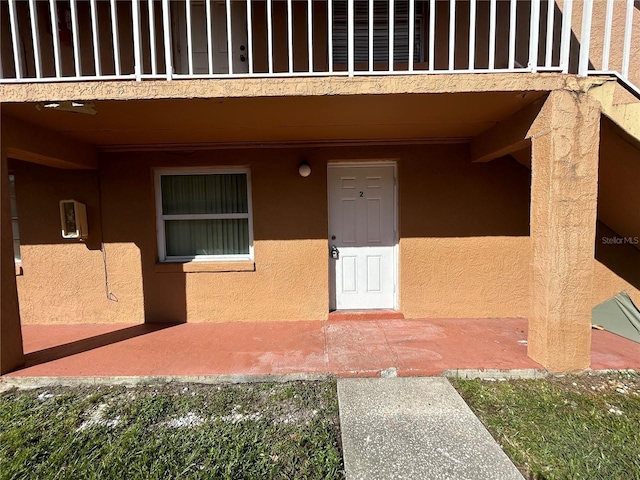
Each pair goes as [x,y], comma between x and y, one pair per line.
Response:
[380,32]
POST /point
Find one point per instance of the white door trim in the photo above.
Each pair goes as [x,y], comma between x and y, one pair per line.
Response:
[364,164]
[219,45]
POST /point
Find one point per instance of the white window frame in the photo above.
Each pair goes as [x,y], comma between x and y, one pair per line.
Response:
[160,218]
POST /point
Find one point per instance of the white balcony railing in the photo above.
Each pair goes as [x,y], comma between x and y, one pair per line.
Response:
[52,40]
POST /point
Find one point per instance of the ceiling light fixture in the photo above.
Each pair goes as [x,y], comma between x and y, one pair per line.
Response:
[71,106]
[304,169]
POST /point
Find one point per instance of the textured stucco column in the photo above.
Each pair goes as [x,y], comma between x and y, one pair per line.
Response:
[11,352]
[564,187]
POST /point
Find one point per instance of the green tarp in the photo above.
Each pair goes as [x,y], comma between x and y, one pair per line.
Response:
[618,315]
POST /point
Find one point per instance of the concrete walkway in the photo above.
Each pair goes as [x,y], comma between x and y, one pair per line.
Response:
[415,428]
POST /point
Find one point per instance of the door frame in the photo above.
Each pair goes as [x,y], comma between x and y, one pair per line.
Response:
[396,237]
[179,35]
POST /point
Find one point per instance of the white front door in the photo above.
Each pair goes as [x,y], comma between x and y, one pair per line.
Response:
[362,236]
[199,41]
[238,39]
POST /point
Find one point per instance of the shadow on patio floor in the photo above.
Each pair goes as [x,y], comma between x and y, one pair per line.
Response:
[86,344]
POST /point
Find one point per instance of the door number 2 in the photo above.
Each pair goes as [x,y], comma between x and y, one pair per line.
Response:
[361,194]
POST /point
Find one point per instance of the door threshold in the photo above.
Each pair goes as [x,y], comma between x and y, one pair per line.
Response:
[373,314]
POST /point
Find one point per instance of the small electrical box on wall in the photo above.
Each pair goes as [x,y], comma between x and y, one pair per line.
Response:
[73,219]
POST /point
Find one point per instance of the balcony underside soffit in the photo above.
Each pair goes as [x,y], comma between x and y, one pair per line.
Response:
[119,124]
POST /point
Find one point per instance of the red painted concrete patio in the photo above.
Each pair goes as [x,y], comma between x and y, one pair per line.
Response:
[342,347]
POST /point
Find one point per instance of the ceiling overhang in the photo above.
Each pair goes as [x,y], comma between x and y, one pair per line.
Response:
[171,123]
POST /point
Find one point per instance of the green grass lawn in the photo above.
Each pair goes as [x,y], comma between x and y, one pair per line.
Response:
[256,431]
[572,427]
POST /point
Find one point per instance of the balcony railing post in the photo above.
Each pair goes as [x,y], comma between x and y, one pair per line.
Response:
[210,35]
[350,34]
[137,43]
[472,34]
[187,7]
[152,35]
[15,38]
[492,34]
[96,39]
[585,38]
[411,32]
[608,23]
[329,32]
[452,34]
[371,34]
[250,36]
[229,37]
[270,36]
[626,49]
[534,35]
[392,21]
[115,36]
[565,39]
[512,34]
[35,37]
[290,36]
[551,6]
[75,38]
[310,34]
[432,35]
[168,47]
[55,38]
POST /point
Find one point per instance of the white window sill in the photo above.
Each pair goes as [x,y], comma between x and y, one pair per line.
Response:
[205,267]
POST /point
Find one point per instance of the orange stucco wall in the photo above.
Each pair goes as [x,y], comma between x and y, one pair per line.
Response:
[617,259]
[65,281]
[290,277]
[617,266]
[464,247]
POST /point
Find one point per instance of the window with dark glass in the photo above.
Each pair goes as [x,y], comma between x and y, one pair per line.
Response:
[204,215]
